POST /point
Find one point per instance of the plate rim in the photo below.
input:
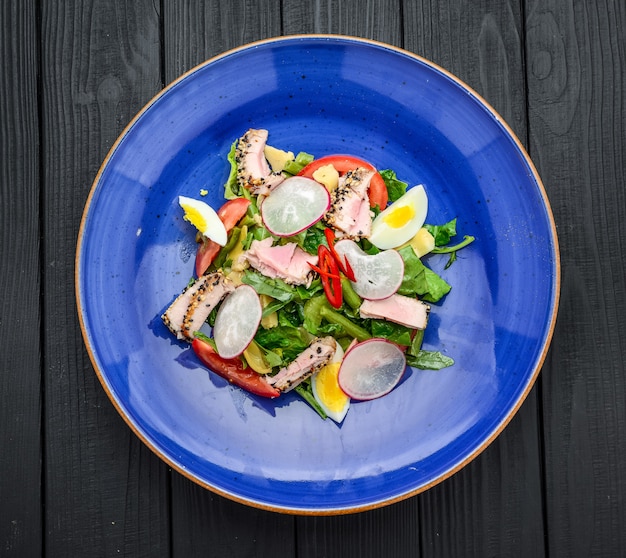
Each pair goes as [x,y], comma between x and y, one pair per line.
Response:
[555,291]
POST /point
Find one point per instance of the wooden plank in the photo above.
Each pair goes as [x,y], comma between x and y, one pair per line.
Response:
[106,494]
[577,100]
[494,506]
[197,31]
[390,531]
[20,286]
[202,521]
[371,19]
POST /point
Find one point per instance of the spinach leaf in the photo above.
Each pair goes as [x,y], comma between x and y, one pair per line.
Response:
[399,334]
[429,360]
[420,280]
[442,233]
[284,339]
[276,288]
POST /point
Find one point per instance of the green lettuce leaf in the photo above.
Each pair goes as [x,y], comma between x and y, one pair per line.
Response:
[420,280]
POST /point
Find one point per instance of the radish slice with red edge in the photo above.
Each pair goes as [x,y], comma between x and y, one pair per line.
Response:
[371,369]
[377,276]
[294,205]
[237,321]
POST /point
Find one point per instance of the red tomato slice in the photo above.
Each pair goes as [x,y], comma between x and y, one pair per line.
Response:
[232,211]
[344,163]
[232,369]
[205,254]
[230,214]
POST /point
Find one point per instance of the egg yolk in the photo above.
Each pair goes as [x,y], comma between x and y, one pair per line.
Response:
[195,218]
[328,388]
[399,216]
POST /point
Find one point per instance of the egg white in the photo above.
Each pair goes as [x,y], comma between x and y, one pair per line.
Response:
[213,229]
[385,236]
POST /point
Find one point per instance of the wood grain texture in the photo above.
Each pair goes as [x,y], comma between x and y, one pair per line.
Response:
[379,20]
[103,488]
[197,31]
[20,318]
[577,84]
[74,480]
[501,490]
[389,531]
[205,524]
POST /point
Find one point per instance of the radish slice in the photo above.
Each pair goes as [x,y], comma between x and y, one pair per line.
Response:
[237,321]
[294,205]
[377,276]
[371,369]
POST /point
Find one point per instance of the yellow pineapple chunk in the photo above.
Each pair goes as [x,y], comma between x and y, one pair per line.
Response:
[422,243]
[328,176]
[277,158]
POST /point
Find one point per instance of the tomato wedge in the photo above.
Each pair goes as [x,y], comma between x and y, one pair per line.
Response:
[343,163]
[230,214]
[232,369]
[232,211]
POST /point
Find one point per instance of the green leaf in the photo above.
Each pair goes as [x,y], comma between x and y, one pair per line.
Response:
[231,188]
[290,340]
[395,188]
[429,360]
[442,233]
[275,288]
[399,334]
[302,160]
[420,280]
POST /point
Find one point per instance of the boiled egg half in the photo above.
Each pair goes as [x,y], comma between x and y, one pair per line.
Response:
[399,222]
[202,216]
[326,389]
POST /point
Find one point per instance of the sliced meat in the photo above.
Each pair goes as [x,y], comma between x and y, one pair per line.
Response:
[397,308]
[192,307]
[350,211]
[287,262]
[313,358]
[253,170]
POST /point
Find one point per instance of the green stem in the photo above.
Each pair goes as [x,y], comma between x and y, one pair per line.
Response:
[352,299]
[310,399]
[467,240]
[349,326]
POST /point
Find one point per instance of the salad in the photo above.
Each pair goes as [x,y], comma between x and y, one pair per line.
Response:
[309,278]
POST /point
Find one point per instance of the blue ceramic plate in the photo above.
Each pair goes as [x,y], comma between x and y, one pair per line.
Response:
[323,95]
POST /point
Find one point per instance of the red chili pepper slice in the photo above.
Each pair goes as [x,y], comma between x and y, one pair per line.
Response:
[232,369]
[331,280]
[344,266]
[323,272]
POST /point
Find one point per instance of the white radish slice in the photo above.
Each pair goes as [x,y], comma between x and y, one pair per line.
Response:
[237,321]
[294,205]
[371,369]
[377,276]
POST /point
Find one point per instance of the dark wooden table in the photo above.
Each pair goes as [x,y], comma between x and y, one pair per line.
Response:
[74,479]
